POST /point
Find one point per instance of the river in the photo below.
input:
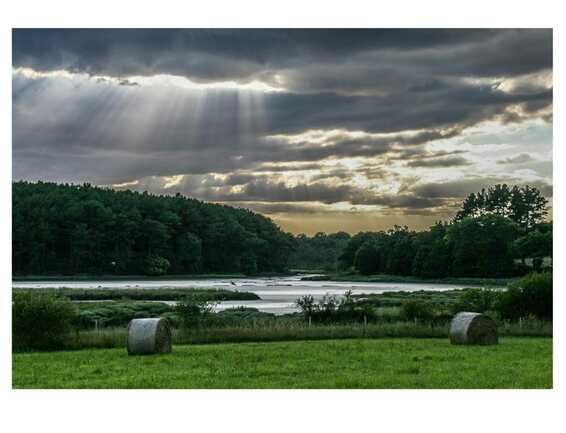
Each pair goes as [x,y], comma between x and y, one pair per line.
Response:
[278,294]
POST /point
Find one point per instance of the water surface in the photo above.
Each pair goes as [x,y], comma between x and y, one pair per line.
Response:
[278,294]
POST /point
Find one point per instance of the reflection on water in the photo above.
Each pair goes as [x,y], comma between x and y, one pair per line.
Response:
[278,295]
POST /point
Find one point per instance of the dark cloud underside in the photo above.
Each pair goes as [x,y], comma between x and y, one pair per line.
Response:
[287,122]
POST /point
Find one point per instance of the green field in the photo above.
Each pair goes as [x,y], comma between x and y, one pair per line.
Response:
[362,363]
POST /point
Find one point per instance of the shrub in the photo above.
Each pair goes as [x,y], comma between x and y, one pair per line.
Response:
[475,300]
[192,311]
[41,322]
[531,295]
[331,310]
[306,304]
[417,311]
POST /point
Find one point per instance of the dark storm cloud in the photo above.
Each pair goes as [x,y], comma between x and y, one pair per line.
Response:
[261,190]
[243,55]
[279,208]
[440,162]
[398,201]
[287,167]
[419,154]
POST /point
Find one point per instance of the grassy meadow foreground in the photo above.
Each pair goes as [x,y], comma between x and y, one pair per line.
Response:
[363,363]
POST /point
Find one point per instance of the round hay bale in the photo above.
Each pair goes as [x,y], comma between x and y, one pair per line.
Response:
[148,336]
[473,328]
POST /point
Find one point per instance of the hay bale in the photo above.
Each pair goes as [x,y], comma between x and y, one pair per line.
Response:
[148,336]
[473,328]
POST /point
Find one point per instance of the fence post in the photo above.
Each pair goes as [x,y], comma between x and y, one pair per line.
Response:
[309,321]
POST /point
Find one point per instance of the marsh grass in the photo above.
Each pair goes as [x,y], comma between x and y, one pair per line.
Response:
[297,331]
[144,294]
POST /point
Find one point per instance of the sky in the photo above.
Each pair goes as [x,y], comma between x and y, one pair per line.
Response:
[320,130]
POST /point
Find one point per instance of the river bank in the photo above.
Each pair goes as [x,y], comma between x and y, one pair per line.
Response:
[381,278]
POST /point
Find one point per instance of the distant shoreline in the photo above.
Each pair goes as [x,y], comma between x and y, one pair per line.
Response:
[349,277]
[357,278]
[145,277]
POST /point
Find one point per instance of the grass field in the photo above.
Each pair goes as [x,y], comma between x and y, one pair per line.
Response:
[362,363]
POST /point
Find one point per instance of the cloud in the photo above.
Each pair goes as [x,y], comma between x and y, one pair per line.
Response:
[456,161]
[461,188]
[309,60]
[196,111]
[518,159]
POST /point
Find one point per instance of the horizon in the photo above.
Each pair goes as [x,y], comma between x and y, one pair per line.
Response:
[319,130]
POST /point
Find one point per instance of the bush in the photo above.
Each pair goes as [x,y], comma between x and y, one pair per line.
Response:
[331,310]
[531,295]
[41,322]
[192,311]
[476,301]
[307,305]
[417,311]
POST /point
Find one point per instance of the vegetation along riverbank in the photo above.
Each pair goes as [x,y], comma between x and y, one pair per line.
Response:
[144,294]
[46,321]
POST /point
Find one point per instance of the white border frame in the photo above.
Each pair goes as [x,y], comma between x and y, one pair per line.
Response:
[343,411]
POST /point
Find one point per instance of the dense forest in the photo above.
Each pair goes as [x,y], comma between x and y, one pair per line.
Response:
[71,229]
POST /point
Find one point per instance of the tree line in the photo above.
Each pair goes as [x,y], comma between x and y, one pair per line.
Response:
[81,229]
[67,229]
[495,234]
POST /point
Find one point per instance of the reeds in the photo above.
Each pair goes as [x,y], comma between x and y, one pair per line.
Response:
[290,331]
